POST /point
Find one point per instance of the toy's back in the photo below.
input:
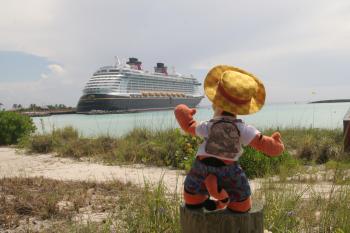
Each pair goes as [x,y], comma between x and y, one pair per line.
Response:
[223,139]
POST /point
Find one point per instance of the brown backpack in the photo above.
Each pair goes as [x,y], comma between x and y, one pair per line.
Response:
[223,139]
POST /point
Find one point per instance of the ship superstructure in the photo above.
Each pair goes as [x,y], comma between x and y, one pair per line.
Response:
[127,88]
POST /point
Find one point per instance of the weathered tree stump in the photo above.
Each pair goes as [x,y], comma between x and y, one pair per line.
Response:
[346,131]
[223,221]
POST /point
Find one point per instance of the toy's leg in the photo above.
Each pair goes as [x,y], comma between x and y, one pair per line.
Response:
[241,206]
[195,201]
[211,184]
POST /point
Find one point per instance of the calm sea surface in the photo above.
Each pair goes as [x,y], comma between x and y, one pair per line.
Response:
[272,115]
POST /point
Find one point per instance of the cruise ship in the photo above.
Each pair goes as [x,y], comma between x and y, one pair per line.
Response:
[126,87]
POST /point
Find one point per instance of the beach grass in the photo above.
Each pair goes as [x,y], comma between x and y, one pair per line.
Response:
[172,148]
[290,188]
[295,207]
[169,148]
[45,205]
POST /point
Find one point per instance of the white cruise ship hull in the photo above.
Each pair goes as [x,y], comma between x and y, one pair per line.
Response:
[103,103]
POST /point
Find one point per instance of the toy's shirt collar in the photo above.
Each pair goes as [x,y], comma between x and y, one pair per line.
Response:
[225,117]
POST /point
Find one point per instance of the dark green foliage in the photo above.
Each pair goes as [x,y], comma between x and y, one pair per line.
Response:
[173,148]
[162,148]
[13,127]
[256,164]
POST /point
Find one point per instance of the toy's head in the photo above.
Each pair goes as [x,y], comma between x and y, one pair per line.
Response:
[234,90]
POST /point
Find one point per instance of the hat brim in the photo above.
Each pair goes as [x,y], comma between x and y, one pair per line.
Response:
[211,83]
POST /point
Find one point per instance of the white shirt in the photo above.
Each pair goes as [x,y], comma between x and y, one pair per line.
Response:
[247,134]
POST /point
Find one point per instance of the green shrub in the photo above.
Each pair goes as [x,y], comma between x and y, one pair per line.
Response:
[256,164]
[162,148]
[14,126]
[65,134]
[41,143]
[313,145]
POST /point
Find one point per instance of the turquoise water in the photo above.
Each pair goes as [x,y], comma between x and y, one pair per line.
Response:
[272,115]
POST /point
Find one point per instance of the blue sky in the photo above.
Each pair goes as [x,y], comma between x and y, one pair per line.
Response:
[18,66]
[50,48]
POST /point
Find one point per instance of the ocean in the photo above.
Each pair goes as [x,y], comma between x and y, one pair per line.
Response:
[326,115]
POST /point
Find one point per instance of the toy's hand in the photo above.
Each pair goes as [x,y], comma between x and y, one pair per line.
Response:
[184,116]
[277,137]
[271,146]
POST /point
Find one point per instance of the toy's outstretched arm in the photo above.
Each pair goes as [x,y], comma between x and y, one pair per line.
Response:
[184,116]
[271,146]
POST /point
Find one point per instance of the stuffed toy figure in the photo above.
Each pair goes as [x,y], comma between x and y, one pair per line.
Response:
[216,181]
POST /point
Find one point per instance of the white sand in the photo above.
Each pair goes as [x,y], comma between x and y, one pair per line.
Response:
[14,163]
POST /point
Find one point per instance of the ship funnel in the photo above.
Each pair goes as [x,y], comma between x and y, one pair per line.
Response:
[134,63]
[160,68]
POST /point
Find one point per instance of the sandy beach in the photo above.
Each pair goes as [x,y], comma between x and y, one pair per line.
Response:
[14,163]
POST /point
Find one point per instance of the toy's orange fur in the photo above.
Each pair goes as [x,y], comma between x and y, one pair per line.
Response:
[184,116]
[271,146]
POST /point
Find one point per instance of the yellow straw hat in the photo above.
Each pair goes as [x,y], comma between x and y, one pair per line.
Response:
[234,90]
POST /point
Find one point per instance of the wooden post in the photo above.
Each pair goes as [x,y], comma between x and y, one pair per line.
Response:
[346,131]
[222,221]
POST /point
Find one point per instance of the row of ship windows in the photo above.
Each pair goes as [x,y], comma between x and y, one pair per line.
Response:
[100,89]
[165,89]
[159,77]
[105,77]
[165,81]
[103,83]
[155,85]
[138,86]
[100,81]
[138,89]
[159,88]
[139,83]
[166,78]
[126,91]
[156,79]
[158,84]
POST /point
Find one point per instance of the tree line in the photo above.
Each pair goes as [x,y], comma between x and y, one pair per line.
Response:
[34,107]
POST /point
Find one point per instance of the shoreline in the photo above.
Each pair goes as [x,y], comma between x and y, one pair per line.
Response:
[47,113]
[330,101]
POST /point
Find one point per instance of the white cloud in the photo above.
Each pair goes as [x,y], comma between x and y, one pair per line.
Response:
[56,69]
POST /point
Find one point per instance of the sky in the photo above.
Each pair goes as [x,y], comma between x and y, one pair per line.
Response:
[49,48]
